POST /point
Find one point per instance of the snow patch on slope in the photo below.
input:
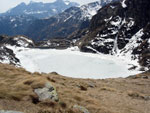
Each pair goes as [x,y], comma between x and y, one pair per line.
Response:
[133,43]
[67,2]
[126,52]
[123,4]
[90,10]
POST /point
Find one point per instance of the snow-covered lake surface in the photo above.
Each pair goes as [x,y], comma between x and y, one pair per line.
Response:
[73,63]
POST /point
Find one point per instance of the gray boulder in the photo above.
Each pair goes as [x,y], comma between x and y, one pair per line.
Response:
[46,93]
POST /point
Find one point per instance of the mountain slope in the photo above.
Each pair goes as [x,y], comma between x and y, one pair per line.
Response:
[118,29]
[14,25]
[39,9]
[71,21]
[61,26]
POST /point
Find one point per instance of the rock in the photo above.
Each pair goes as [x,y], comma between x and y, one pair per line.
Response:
[83,88]
[54,73]
[80,108]
[137,95]
[7,56]
[146,98]
[139,76]
[132,68]
[46,93]
[92,85]
[3,111]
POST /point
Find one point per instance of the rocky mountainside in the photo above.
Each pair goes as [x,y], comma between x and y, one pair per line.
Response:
[120,28]
[39,9]
[65,24]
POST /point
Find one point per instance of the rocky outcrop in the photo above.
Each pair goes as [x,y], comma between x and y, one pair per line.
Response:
[8,56]
[20,41]
[47,93]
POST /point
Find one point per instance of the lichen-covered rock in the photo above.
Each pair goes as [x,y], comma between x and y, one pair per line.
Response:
[48,92]
[81,108]
[3,111]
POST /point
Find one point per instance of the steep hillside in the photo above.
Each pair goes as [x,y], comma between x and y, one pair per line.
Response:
[51,93]
[39,9]
[120,28]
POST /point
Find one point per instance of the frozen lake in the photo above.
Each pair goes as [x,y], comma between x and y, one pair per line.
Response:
[73,63]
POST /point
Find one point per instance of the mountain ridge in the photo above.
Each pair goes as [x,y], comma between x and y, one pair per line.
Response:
[40,9]
[64,24]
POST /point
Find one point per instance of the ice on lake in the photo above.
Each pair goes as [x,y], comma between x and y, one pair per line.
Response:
[73,63]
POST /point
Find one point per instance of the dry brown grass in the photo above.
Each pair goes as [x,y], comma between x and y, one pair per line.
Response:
[18,84]
[108,89]
[98,96]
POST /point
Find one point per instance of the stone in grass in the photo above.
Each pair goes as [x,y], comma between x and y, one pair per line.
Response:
[81,108]
[48,92]
[3,111]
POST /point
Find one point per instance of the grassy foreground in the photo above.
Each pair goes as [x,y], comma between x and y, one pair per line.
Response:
[120,95]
